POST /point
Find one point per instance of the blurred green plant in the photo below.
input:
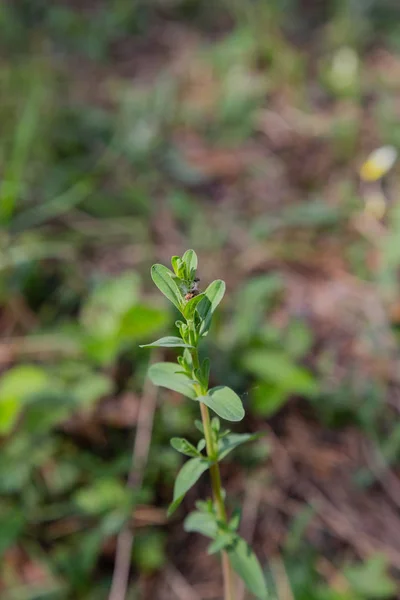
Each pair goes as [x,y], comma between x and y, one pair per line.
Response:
[89,150]
[371,579]
[366,580]
[113,317]
[274,366]
[46,478]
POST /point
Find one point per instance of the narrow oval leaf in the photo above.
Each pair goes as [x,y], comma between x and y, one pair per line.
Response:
[205,368]
[201,522]
[223,540]
[183,446]
[201,445]
[190,260]
[234,522]
[233,440]
[176,262]
[191,306]
[187,477]
[199,425]
[212,297]
[163,278]
[169,341]
[225,402]
[168,375]
[188,360]
[246,565]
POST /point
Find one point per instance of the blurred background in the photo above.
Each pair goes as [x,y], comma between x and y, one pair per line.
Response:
[132,130]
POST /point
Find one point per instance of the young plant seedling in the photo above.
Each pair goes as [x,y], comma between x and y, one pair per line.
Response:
[190,377]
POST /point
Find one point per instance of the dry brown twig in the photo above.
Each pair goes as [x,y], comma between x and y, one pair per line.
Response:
[179,586]
[140,453]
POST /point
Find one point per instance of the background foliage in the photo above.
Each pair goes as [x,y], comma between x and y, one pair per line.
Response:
[130,131]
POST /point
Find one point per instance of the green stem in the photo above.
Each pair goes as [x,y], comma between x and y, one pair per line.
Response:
[216,484]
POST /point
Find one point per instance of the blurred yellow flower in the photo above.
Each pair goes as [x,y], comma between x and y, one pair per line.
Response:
[379,163]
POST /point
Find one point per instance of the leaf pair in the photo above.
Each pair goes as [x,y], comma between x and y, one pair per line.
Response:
[185,267]
[194,468]
[222,400]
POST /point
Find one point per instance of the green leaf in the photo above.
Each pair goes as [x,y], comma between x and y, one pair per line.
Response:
[277,367]
[137,323]
[251,303]
[187,477]
[140,321]
[268,398]
[232,441]
[91,388]
[206,506]
[12,522]
[107,303]
[216,425]
[205,370]
[168,342]
[191,306]
[149,550]
[371,579]
[225,402]
[102,349]
[104,495]
[176,263]
[212,297]
[201,522]
[22,381]
[298,339]
[223,540]
[17,387]
[235,520]
[246,565]
[190,260]
[164,280]
[201,445]
[47,409]
[183,446]
[199,425]
[20,152]
[187,359]
[168,375]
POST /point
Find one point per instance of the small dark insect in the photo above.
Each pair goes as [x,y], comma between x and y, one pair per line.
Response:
[194,290]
